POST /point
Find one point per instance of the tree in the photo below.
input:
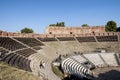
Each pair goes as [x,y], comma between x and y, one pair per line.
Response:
[58,24]
[27,30]
[111,26]
[52,25]
[62,24]
[85,25]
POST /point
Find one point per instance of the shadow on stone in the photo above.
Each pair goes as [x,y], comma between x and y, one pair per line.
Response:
[111,75]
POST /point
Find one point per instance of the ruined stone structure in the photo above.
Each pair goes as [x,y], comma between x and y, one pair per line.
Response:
[74,30]
[26,51]
[33,35]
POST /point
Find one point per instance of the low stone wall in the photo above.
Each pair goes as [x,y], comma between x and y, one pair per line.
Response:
[11,34]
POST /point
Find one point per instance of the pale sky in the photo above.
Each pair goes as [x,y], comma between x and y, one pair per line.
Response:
[38,14]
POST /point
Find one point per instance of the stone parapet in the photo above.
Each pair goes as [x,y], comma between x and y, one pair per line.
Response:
[11,34]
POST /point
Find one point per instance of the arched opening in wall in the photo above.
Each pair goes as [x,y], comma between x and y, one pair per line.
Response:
[50,32]
[93,32]
[71,33]
[7,34]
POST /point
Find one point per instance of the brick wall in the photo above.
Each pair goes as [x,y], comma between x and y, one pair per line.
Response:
[74,30]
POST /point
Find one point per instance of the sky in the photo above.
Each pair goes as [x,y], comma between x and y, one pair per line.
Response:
[38,14]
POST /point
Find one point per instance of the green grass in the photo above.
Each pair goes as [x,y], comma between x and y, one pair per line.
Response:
[10,73]
[57,71]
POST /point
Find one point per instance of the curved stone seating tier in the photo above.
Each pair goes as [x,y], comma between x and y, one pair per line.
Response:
[37,48]
[86,39]
[69,47]
[73,46]
[45,72]
[24,65]
[12,61]
[66,38]
[54,46]
[41,59]
[110,59]
[107,38]
[21,64]
[30,41]
[28,65]
[34,58]
[79,58]
[38,58]
[47,39]
[17,61]
[25,52]
[80,39]
[9,57]
[94,58]
[48,52]
[10,44]
[99,59]
[2,52]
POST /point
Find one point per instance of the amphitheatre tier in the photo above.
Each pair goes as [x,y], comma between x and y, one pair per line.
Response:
[27,51]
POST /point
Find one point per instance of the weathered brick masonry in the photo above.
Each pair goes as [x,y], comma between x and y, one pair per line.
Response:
[74,30]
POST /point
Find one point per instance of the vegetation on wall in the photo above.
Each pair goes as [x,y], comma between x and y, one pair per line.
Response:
[58,24]
[27,30]
[85,25]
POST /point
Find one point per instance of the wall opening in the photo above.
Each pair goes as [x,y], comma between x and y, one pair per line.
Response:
[71,33]
[50,32]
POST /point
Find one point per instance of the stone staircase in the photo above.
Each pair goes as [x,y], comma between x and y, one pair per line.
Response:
[42,72]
